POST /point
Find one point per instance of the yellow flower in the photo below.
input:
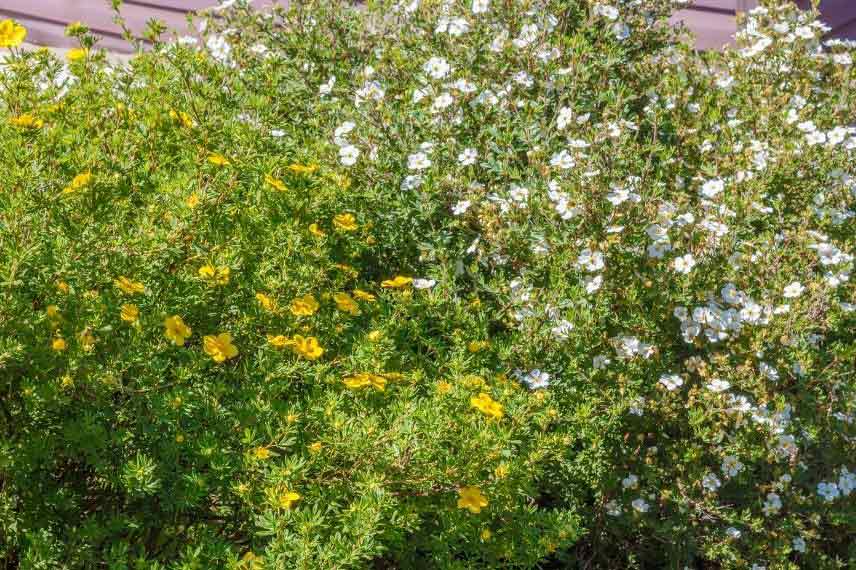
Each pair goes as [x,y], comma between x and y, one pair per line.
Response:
[12,34]
[75,54]
[279,341]
[218,159]
[58,344]
[192,200]
[276,183]
[399,282]
[267,302]
[303,168]
[128,286]
[220,347]
[79,182]
[304,306]
[52,311]
[345,222]
[67,382]
[316,231]
[130,313]
[261,453]
[307,347]
[487,405]
[365,380]
[375,336]
[181,117]
[62,287]
[364,296]
[315,447]
[501,471]
[471,498]
[443,387]
[176,330]
[478,345]
[26,121]
[87,341]
[179,438]
[346,303]
[486,534]
[285,499]
[217,275]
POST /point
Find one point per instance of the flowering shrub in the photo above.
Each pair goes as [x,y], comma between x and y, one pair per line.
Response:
[430,285]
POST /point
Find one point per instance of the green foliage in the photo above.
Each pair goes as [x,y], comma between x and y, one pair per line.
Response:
[429,286]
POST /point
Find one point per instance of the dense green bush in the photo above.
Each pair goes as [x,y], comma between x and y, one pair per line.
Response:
[430,285]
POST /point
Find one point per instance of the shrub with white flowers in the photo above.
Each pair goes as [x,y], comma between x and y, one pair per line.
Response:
[430,284]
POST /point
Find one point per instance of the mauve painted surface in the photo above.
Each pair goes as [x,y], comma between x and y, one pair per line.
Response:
[712,21]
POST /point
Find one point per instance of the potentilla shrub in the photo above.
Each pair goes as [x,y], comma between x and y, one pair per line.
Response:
[430,285]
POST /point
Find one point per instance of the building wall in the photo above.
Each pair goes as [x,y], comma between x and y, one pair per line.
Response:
[713,21]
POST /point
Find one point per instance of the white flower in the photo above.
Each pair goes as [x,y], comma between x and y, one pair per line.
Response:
[684,264]
[733,533]
[640,505]
[566,114]
[277,133]
[711,482]
[339,135]
[592,283]
[613,509]
[630,482]
[411,182]
[712,187]
[420,283]
[562,160]
[467,157]
[348,155]
[731,466]
[718,385]
[518,193]
[591,261]
[608,12]
[671,381]
[536,379]
[528,34]
[436,68]
[480,6]
[461,207]
[219,48]
[327,88]
[799,544]
[829,491]
[772,505]
[418,161]
[562,330]
[443,101]
[793,290]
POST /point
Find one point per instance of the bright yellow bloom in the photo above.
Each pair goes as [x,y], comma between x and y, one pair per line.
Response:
[345,222]
[304,306]
[182,117]
[303,168]
[477,345]
[217,275]
[52,311]
[220,347]
[75,54]
[443,387]
[12,34]
[58,344]
[128,286]
[267,302]
[79,182]
[62,287]
[307,347]
[261,453]
[129,313]
[192,200]
[365,380]
[176,330]
[279,341]
[346,303]
[364,296]
[316,231]
[218,159]
[487,405]
[26,121]
[286,499]
[501,471]
[276,183]
[399,282]
[87,341]
[375,335]
[471,498]
[486,534]
[315,447]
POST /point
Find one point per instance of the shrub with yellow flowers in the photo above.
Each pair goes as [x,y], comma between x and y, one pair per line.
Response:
[453,285]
